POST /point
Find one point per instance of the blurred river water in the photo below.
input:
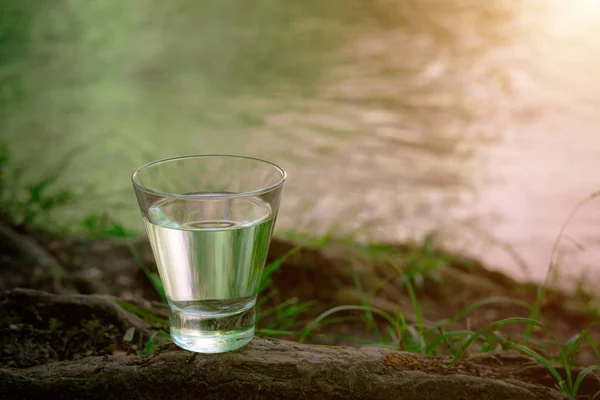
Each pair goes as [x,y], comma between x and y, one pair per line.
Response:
[477,120]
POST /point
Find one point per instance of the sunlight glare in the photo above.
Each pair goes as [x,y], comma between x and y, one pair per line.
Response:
[578,9]
[573,16]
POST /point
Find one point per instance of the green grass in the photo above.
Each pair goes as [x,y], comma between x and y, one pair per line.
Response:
[154,342]
[418,338]
[536,309]
[569,384]
[147,315]
[27,200]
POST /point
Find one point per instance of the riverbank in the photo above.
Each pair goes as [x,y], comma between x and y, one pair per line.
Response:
[409,297]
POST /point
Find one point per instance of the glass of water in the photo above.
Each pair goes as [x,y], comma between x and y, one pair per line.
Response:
[209,219]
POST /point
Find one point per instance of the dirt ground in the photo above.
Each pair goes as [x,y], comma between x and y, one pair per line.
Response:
[330,275]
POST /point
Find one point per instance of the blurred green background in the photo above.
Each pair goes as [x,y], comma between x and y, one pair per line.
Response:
[393,118]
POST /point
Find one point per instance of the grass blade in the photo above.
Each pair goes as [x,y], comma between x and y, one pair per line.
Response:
[414,300]
[152,277]
[150,344]
[265,280]
[541,292]
[541,360]
[571,347]
[582,376]
[594,346]
[497,324]
[442,339]
[333,310]
[371,325]
[490,300]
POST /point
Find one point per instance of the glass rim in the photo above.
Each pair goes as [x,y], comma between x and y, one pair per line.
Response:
[260,191]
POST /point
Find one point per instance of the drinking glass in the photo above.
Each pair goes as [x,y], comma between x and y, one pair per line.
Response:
[209,219]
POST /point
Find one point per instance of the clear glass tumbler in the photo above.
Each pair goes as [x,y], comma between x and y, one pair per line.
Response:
[209,219]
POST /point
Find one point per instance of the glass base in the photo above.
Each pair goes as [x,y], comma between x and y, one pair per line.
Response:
[195,329]
[216,343]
